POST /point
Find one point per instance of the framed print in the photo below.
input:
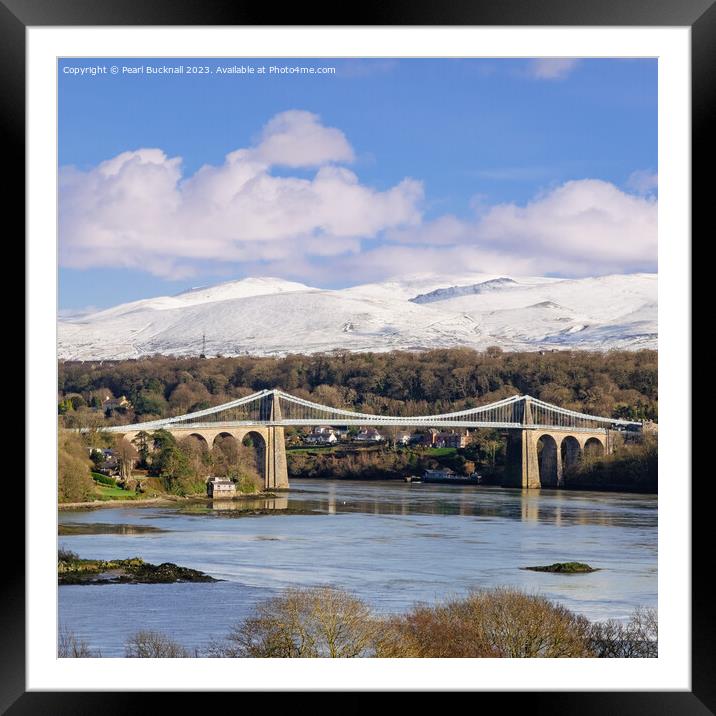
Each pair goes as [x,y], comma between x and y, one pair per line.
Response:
[350,341]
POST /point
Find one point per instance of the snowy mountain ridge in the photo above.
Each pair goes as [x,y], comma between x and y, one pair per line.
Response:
[271,316]
[440,294]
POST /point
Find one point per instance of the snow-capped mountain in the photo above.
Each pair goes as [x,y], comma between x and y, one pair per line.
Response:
[269,316]
[441,294]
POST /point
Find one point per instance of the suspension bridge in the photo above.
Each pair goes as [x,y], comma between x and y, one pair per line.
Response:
[543,439]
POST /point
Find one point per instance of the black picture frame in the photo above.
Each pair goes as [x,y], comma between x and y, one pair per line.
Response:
[699,15]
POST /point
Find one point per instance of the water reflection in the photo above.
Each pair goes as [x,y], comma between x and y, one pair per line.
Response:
[532,506]
[100,528]
[267,503]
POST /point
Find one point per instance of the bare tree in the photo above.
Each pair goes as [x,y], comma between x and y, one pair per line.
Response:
[305,623]
[197,453]
[635,639]
[501,622]
[153,645]
[431,632]
[69,646]
[224,456]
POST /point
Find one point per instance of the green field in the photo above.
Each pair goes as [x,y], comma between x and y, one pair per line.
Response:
[114,493]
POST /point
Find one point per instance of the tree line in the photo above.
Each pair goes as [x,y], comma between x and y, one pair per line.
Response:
[619,384]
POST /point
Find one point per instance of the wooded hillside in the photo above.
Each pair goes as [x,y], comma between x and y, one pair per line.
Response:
[615,383]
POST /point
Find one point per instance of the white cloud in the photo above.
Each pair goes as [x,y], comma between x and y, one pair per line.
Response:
[643,181]
[136,210]
[551,68]
[589,223]
[583,227]
[298,139]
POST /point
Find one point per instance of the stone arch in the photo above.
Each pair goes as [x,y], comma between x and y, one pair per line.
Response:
[256,440]
[224,452]
[199,437]
[223,435]
[196,446]
[548,459]
[571,452]
[594,448]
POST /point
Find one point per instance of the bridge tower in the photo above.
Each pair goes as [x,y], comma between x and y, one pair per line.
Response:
[522,463]
[276,465]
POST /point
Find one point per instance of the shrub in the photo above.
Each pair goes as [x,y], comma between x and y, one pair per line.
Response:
[502,622]
[305,623]
[249,484]
[66,555]
[104,479]
[153,645]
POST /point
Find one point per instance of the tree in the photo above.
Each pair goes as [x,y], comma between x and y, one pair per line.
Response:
[186,395]
[69,646]
[305,623]
[78,402]
[98,457]
[612,382]
[635,639]
[223,456]
[150,403]
[492,446]
[153,645]
[126,456]
[74,481]
[502,622]
[174,464]
[141,442]
[198,456]
[65,406]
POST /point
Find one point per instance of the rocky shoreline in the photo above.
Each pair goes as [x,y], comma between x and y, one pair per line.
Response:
[125,571]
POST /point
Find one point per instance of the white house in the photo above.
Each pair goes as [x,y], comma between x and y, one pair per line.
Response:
[321,435]
[369,435]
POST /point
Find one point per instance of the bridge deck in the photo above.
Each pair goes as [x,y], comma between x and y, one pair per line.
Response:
[274,408]
[406,423]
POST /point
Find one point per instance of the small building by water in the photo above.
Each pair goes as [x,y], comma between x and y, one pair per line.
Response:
[218,487]
[446,475]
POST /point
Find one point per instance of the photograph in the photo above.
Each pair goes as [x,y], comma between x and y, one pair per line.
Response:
[357,357]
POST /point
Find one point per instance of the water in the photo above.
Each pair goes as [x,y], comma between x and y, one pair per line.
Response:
[391,543]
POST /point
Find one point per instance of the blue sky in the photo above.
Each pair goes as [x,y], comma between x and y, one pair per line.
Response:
[384,166]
